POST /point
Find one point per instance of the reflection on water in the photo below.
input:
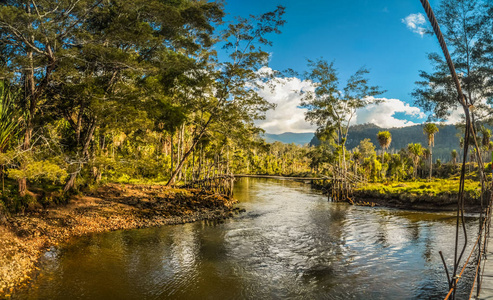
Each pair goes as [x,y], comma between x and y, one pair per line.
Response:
[290,244]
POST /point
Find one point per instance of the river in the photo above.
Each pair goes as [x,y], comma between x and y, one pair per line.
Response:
[291,243]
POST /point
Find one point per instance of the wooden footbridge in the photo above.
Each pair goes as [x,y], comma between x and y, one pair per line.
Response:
[338,188]
[223,183]
[284,177]
[480,257]
[486,283]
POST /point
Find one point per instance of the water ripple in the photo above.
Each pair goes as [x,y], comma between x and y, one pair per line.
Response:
[291,244]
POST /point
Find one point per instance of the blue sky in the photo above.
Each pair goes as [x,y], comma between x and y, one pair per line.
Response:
[354,33]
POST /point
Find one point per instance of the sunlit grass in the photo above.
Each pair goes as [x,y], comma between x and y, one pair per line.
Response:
[423,187]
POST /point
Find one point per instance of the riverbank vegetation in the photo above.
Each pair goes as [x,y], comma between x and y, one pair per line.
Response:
[98,94]
[425,187]
[424,194]
[467,28]
[95,92]
[120,91]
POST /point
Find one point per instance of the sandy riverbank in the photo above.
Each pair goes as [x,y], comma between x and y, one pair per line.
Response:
[24,238]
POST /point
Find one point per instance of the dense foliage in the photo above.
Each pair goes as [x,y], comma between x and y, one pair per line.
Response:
[122,90]
[168,91]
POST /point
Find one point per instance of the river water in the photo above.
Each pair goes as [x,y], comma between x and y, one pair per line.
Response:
[291,243]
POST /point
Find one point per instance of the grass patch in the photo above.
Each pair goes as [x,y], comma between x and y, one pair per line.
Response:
[424,187]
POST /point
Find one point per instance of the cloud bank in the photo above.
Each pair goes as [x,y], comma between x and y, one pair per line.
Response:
[415,23]
[383,114]
[288,116]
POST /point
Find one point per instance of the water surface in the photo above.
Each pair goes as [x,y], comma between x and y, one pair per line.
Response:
[290,244]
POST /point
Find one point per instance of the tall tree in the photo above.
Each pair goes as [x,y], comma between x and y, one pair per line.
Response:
[415,152]
[35,33]
[232,94]
[453,154]
[486,135]
[332,107]
[467,27]
[430,129]
[92,61]
[485,140]
[384,139]
[465,23]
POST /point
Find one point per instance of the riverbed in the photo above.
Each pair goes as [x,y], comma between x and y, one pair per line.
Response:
[291,243]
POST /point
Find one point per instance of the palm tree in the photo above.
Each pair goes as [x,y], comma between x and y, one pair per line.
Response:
[426,154]
[454,156]
[384,138]
[485,141]
[486,133]
[472,157]
[415,151]
[397,165]
[430,130]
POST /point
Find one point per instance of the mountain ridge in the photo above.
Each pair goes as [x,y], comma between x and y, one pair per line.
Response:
[446,139]
[300,138]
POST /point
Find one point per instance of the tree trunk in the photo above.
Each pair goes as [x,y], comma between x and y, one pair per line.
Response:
[85,154]
[181,148]
[30,92]
[171,153]
[193,165]
[22,186]
[33,92]
[201,154]
[431,163]
[182,161]
[227,161]
[79,124]
[87,143]
[189,151]
[178,151]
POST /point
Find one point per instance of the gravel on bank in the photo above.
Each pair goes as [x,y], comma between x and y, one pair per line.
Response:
[25,237]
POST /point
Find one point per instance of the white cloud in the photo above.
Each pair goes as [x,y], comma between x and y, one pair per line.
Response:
[456,116]
[382,114]
[288,116]
[415,23]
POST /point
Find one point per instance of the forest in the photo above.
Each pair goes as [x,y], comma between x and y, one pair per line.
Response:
[97,91]
[131,144]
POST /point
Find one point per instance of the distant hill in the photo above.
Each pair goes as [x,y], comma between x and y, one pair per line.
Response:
[289,137]
[445,140]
